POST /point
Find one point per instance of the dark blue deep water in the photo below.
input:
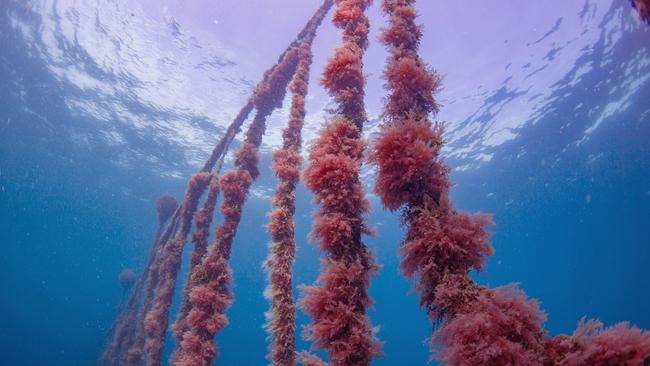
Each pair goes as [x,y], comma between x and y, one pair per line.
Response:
[105,105]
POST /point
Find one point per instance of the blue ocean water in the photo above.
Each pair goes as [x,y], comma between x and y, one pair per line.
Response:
[106,105]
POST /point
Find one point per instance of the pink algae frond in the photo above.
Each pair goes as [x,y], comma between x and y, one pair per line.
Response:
[454,243]
[403,33]
[339,137]
[593,344]
[501,327]
[343,72]
[407,156]
[337,304]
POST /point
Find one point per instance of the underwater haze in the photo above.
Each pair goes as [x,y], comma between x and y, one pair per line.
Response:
[107,104]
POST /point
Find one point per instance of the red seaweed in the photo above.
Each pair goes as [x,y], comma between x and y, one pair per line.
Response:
[338,302]
[157,317]
[477,326]
[286,165]
[209,294]
[126,326]
[202,221]
[499,327]
[129,343]
[593,344]
[473,324]
[440,243]
[210,280]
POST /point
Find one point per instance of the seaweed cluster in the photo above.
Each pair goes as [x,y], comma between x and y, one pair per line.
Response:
[472,324]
